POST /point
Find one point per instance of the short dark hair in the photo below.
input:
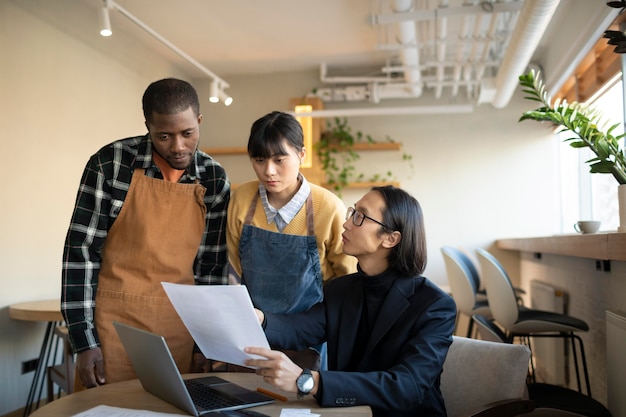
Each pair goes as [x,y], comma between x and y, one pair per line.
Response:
[169,96]
[268,133]
[403,213]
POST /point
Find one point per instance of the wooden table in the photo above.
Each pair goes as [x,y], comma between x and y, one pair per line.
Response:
[130,394]
[48,311]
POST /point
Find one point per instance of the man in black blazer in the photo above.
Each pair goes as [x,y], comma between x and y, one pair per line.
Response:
[388,328]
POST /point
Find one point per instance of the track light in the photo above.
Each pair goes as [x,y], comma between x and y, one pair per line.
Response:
[228,100]
[105,21]
[217,85]
[214,92]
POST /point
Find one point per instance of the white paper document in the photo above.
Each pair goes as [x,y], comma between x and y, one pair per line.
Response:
[220,318]
[108,411]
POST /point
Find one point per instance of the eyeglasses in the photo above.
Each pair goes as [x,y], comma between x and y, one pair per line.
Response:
[358,218]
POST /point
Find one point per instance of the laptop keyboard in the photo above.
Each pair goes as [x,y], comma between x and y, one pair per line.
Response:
[209,399]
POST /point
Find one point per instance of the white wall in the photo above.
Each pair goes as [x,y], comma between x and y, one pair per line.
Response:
[65,93]
[60,100]
[589,293]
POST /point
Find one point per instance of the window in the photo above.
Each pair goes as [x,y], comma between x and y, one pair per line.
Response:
[587,196]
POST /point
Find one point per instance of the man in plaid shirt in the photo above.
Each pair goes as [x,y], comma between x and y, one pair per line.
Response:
[149,209]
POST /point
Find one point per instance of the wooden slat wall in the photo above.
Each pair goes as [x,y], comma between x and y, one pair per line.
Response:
[597,68]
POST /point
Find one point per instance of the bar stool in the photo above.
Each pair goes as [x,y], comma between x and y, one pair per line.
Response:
[63,374]
[547,397]
[525,323]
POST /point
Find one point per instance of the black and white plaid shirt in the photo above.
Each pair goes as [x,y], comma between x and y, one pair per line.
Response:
[101,194]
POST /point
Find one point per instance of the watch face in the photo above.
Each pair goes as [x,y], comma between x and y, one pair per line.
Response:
[305,383]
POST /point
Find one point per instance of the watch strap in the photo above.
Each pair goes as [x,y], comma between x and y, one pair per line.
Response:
[305,372]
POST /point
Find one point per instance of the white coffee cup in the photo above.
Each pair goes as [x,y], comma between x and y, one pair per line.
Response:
[587,226]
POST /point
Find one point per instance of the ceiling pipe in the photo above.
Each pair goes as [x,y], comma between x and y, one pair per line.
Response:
[388,111]
[340,79]
[463,36]
[441,26]
[409,51]
[532,23]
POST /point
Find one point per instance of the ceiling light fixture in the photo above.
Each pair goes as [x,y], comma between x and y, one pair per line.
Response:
[214,92]
[105,22]
[226,99]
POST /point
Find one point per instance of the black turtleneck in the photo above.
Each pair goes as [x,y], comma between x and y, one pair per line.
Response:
[375,289]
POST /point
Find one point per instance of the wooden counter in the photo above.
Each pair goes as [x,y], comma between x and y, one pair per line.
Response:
[602,246]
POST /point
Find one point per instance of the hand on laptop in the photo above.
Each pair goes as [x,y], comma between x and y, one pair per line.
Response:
[90,366]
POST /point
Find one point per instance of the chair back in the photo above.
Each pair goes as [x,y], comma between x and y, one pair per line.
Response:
[477,373]
[488,330]
[462,278]
[500,292]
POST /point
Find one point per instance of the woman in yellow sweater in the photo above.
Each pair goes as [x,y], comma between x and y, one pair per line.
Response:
[284,234]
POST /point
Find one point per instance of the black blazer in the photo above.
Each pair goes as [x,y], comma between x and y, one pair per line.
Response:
[400,371]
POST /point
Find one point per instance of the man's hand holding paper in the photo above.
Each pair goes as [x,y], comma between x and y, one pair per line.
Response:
[220,318]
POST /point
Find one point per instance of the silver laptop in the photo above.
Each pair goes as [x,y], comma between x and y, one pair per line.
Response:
[157,371]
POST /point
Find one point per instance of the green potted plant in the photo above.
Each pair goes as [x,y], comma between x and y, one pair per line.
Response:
[588,130]
[338,157]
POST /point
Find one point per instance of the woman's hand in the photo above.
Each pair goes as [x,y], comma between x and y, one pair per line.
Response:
[276,369]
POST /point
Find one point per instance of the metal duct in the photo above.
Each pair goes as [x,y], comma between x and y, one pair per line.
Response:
[473,30]
[533,20]
[410,53]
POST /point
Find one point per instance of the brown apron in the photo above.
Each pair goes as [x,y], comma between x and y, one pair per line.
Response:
[155,238]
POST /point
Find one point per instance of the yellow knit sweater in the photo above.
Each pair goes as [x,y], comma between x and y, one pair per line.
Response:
[329,214]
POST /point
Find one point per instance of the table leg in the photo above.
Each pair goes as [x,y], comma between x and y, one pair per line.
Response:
[39,378]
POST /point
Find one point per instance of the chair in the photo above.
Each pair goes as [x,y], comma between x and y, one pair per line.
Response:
[482,378]
[464,281]
[550,400]
[525,323]
[62,374]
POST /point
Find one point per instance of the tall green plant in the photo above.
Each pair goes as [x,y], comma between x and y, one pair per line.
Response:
[582,120]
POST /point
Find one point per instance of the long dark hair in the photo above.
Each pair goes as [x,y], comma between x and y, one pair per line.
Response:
[403,213]
[268,133]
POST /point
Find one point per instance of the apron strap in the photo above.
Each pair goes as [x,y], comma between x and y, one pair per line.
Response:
[310,224]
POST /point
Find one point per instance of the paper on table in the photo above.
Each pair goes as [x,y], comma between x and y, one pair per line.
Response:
[220,318]
[108,411]
[297,412]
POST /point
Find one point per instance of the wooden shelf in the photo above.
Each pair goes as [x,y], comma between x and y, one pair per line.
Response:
[602,246]
[383,146]
[366,184]
[242,150]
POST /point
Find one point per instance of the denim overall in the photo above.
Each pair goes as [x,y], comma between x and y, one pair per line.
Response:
[282,272]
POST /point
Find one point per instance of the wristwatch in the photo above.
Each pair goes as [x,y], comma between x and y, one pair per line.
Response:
[305,383]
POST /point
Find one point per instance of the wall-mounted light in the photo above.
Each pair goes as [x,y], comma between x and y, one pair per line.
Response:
[307,130]
[105,20]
